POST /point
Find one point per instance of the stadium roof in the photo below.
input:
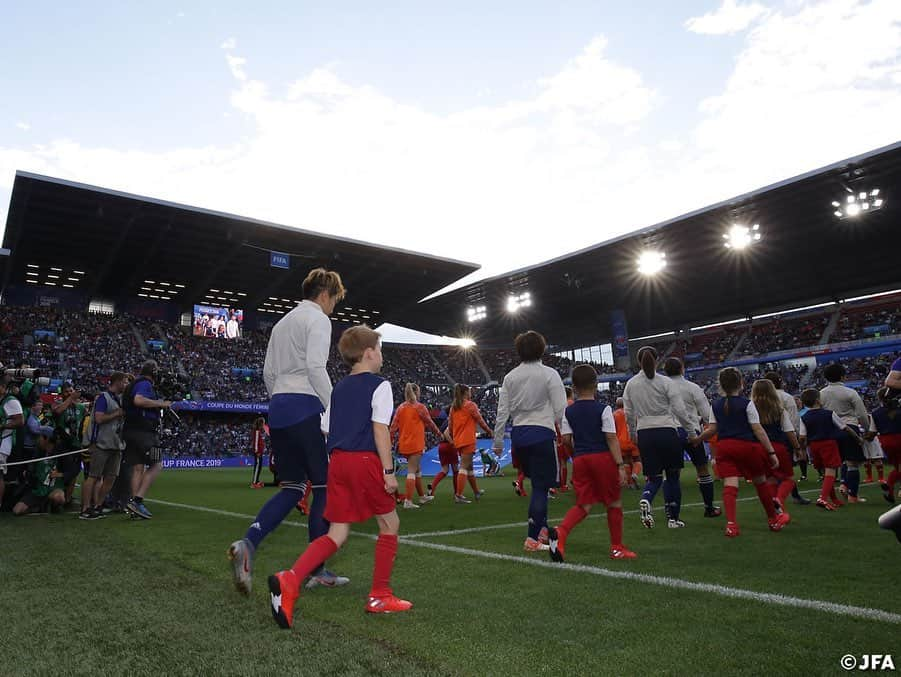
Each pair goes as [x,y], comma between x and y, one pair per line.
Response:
[806,255]
[115,246]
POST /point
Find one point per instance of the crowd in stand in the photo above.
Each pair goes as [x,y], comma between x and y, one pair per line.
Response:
[209,436]
[865,374]
[86,347]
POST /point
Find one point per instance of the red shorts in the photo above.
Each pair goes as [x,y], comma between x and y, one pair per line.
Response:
[740,458]
[785,471]
[356,487]
[596,479]
[891,445]
[824,454]
[447,454]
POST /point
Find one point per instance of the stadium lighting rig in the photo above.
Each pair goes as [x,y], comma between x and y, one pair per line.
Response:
[855,204]
[651,262]
[517,301]
[740,237]
[476,313]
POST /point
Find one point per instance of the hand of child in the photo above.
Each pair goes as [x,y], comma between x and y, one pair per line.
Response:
[623,480]
[390,484]
[774,461]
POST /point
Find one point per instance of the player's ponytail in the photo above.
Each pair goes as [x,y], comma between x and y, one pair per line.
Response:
[730,382]
[460,393]
[411,392]
[647,360]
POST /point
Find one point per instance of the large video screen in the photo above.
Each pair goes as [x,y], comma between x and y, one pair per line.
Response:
[215,322]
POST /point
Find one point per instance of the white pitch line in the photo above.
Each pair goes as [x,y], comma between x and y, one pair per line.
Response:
[664,581]
[677,583]
[511,525]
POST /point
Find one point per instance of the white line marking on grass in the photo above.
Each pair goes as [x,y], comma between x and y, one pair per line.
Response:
[677,583]
[511,525]
[664,581]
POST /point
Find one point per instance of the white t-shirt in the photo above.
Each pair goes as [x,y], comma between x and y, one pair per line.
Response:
[231,329]
[382,407]
[12,408]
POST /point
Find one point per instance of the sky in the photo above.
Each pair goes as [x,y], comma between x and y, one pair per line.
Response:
[501,133]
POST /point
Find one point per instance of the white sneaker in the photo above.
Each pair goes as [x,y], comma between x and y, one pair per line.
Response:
[647,516]
[461,499]
[410,505]
[675,524]
[426,499]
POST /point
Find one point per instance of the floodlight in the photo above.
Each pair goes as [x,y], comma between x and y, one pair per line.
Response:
[517,301]
[651,262]
[856,203]
[741,237]
[476,313]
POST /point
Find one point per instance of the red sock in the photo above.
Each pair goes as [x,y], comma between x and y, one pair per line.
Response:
[893,477]
[564,473]
[880,472]
[765,494]
[472,483]
[730,502]
[785,488]
[827,492]
[316,553]
[520,476]
[615,524]
[411,483]
[869,469]
[419,489]
[440,476]
[385,552]
[461,483]
[573,516]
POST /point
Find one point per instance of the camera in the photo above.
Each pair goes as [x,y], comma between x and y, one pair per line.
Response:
[170,386]
[22,375]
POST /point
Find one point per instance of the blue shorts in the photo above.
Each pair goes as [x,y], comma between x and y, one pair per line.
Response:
[661,449]
[300,453]
[848,447]
[696,454]
[539,463]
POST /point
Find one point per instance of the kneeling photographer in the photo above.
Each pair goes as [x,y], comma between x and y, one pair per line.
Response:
[143,415]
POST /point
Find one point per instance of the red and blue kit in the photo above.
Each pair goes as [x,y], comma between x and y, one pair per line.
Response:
[738,453]
[888,424]
[822,428]
[778,434]
[356,478]
[595,473]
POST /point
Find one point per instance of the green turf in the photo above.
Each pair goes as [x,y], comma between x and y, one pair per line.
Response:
[123,597]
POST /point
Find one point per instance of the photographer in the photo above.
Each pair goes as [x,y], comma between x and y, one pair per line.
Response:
[142,440]
[106,447]
[68,415]
[11,419]
[47,489]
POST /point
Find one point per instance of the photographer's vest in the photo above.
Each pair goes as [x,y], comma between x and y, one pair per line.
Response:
[108,435]
[135,420]
[68,426]
[11,434]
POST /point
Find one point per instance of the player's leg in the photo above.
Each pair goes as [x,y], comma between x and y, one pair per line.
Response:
[286,447]
[413,467]
[463,476]
[649,442]
[445,469]
[672,495]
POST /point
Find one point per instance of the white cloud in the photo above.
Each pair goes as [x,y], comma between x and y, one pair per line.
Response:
[24,126]
[579,160]
[236,66]
[228,43]
[794,102]
[730,17]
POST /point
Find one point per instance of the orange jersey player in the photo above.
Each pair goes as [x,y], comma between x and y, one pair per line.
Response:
[409,425]
[461,430]
[631,457]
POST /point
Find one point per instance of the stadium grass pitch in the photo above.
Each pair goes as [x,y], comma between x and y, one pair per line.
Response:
[130,597]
